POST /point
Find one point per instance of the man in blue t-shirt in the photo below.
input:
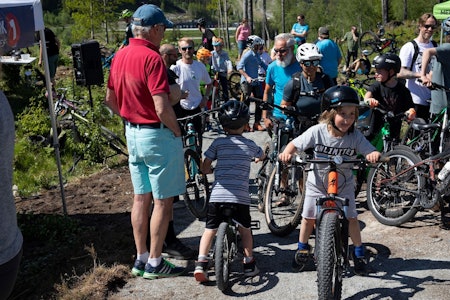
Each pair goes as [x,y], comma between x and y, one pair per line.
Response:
[331,54]
[300,30]
[278,74]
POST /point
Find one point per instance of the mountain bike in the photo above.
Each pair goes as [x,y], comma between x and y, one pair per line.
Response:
[227,245]
[197,193]
[382,141]
[360,86]
[285,185]
[374,43]
[69,114]
[427,139]
[332,226]
[399,188]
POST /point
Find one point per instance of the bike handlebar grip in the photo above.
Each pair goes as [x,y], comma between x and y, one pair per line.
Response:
[384,159]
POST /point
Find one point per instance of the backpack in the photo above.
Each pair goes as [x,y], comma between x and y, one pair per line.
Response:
[416,52]
[297,86]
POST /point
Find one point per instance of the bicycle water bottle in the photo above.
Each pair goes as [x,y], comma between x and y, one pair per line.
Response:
[444,172]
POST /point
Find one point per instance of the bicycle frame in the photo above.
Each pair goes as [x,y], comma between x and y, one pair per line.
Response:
[428,133]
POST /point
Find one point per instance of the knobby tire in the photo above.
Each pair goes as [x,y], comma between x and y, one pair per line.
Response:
[330,260]
[197,192]
[395,201]
[282,220]
[222,256]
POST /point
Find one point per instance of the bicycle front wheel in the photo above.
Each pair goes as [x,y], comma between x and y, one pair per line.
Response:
[234,83]
[368,41]
[197,192]
[222,256]
[284,204]
[330,259]
[394,188]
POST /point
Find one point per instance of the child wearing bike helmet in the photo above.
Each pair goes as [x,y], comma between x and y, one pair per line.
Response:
[335,135]
[248,67]
[234,154]
[389,94]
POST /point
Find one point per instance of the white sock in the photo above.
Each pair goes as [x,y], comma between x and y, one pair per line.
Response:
[143,257]
[154,262]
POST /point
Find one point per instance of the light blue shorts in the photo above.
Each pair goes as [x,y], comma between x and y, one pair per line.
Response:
[156,162]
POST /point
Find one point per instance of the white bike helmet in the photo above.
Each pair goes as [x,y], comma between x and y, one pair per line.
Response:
[446,25]
[308,51]
[254,40]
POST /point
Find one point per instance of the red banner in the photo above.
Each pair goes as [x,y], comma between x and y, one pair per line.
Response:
[16,27]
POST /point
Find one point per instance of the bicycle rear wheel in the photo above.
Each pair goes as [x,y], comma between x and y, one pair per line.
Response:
[330,259]
[234,83]
[222,256]
[284,204]
[393,191]
[197,192]
[369,41]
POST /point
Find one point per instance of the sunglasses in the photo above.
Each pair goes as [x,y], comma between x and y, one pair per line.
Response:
[427,26]
[187,48]
[281,51]
[309,63]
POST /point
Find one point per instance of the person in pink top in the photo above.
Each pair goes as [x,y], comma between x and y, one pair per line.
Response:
[242,33]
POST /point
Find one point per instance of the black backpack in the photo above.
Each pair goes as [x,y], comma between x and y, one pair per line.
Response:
[297,86]
[416,52]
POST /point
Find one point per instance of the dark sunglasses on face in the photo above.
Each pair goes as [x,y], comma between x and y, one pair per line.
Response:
[427,26]
[187,48]
[281,51]
[309,63]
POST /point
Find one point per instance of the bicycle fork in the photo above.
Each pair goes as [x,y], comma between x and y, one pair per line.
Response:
[328,204]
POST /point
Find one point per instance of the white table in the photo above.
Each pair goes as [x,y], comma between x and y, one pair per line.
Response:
[10,60]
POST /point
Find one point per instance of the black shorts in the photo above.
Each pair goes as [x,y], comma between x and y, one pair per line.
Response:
[241,215]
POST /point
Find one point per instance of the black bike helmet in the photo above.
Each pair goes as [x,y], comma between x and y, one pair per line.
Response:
[339,96]
[201,22]
[234,114]
[387,61]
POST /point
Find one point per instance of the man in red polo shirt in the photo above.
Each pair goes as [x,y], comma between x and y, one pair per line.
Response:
[138,91]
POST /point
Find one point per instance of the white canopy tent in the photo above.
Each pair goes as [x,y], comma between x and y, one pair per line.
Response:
[19,20]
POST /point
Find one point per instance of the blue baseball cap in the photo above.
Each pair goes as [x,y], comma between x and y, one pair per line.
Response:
[149,15]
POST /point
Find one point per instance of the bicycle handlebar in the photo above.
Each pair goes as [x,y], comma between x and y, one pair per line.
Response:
[205,112]
[288,110]
[337,160]
[436,86]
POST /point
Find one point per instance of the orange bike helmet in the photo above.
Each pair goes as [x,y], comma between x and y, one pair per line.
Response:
[202,53]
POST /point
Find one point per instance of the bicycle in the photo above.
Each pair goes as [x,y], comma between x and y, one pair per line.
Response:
[377,43]
[68,113]
[284,183]
[360,86]
[332,226]
[197,193]
[423,138]
[399,188]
